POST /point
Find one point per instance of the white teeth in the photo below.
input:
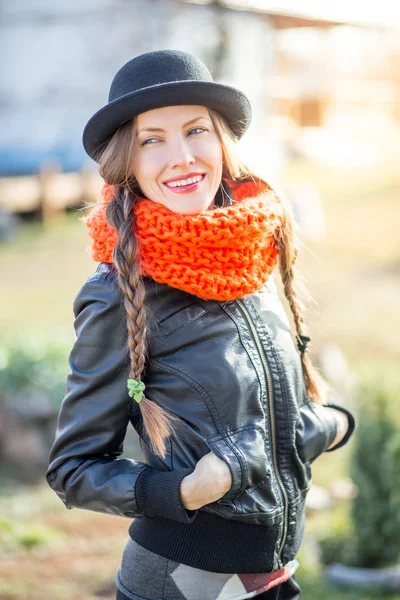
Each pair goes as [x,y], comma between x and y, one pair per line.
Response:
[184,181]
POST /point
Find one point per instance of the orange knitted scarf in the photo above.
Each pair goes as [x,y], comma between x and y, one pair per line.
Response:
[219,254]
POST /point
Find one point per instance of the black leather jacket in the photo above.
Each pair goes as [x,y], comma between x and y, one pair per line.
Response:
[232,373]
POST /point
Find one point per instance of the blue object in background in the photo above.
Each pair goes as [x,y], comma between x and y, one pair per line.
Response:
[27,160]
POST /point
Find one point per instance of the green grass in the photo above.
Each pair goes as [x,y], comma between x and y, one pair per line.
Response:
[42,270]
[315,588]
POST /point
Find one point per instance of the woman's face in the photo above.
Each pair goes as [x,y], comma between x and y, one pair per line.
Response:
[174,144]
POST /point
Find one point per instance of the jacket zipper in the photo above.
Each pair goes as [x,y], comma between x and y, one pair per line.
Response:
[272,421]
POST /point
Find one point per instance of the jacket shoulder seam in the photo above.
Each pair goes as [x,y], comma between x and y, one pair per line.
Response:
[102,279]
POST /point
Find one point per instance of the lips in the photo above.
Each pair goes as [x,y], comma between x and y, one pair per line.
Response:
[183,189]
[182,177]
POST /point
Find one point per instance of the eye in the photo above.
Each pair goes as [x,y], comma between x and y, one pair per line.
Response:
[197,129]
[149,141]
[145,142]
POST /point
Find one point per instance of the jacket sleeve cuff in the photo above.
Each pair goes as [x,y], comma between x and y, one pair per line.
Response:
[351,427]
[158,494]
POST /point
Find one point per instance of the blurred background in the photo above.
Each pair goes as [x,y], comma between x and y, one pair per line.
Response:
[324,82]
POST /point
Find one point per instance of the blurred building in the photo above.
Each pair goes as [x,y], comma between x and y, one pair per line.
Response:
[301,67]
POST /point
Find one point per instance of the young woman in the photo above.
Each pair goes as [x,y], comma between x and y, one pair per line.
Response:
[181,332]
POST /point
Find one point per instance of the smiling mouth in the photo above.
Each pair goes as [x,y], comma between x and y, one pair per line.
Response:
[186,185]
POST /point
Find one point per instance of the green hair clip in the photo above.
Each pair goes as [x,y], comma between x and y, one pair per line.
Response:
[136,389]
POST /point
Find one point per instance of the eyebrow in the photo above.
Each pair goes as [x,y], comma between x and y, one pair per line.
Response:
[184,125]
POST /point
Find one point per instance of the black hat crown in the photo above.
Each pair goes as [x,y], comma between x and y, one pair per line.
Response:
[156,68]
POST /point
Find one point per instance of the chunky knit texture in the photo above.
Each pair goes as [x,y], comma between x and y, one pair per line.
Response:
[219,254]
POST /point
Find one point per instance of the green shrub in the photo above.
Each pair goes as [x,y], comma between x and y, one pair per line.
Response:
[15,534]
[34,368]
[37,535]
[374,469]
[33,373]
[373,539]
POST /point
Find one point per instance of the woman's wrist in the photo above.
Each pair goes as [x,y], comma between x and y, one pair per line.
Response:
[342,425]
[185,490]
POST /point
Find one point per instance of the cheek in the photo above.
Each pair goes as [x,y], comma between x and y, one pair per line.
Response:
[147,170]
[143,169]
[212,155]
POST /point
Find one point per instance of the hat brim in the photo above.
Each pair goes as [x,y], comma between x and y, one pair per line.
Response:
[229,101]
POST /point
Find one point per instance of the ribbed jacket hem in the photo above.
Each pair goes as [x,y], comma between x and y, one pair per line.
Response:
[210,543]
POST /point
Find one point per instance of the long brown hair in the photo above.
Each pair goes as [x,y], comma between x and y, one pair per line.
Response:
[115,160]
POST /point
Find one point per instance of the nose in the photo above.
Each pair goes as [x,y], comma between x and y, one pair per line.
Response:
[180,154]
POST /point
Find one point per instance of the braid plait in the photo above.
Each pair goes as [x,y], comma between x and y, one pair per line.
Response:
[156,420]
[316,386]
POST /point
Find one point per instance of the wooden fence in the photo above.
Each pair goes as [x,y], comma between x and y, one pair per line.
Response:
[49,193]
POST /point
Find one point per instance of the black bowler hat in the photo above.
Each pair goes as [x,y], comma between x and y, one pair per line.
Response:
[163,78]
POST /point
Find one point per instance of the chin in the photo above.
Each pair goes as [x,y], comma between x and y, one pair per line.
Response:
[190,208]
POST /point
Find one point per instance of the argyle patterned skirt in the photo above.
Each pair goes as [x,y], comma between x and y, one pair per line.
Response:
[144,575]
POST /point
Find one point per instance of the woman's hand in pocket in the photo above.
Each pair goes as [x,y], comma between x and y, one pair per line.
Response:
[209,481]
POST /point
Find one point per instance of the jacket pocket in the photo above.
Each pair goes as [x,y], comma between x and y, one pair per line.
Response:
[249,444]
[181,318]
[244,452]
[189,446]
[226,450]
